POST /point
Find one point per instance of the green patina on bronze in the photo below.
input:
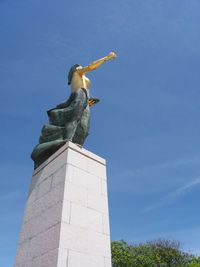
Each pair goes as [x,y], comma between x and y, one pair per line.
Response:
[68,121]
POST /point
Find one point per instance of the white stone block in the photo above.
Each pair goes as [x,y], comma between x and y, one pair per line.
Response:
[107,262]
[66,221]
[95,157]
[104,189]
[44,187]
[84,240]
[82,178]
[32,196]
[106,226]
[82,259]
[75,194]
[66,211]
[62,258]
[93,184]
[23,253]
[54,196]
[98,202]
[23,264]
[74,238]
[95,168]
[52,164]
[48,218]
[48,259]
[77,159]
[45,242]
[99,244]
[86,218]
[59,176]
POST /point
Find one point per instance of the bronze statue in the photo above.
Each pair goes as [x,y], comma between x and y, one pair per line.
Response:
[70,120]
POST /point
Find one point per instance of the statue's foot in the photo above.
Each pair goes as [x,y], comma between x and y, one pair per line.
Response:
[67,140]
[43,151]
[78,145]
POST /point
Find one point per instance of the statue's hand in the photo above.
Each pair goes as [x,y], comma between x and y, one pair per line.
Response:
[112,55]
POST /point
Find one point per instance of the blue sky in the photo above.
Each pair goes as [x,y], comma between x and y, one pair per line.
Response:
[146,125]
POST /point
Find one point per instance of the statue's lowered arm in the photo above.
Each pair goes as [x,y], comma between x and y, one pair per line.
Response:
[96,64]
[64,104]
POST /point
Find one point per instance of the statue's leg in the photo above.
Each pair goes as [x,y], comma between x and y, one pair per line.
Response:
[74,115]
[82,129]
[70,130]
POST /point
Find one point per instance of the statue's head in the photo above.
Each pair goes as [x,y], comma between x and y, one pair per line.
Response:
[71,72]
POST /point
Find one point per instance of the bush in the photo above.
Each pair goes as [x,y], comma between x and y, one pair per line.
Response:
[195,262]
[159,253]
[121,254]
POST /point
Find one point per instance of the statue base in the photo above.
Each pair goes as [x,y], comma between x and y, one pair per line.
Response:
[66,221]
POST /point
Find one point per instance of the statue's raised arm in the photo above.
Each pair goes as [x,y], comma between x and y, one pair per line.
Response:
[96,64]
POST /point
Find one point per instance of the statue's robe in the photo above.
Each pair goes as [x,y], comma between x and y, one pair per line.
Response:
[68,121]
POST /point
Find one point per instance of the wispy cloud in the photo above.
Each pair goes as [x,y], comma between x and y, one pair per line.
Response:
[168,199]
[163,165]
[158,178]
[184,189]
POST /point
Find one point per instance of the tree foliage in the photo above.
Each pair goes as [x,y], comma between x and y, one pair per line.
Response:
[195,262]
[121,254]
[159,253]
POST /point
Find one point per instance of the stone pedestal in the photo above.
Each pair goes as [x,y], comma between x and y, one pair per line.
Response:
[66,221]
